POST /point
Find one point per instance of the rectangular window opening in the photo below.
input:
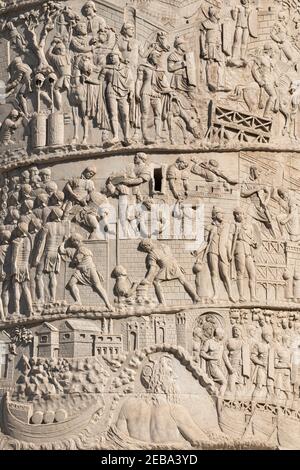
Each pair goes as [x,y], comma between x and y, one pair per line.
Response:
[158,178]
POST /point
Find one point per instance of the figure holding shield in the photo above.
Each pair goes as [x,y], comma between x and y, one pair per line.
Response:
[246,26]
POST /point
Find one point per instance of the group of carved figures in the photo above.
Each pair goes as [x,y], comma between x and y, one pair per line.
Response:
[258,361]
[108,77]
[266,213]
[257,195]
[111,79]
[255,366]
[36,232]
[40,225]
[270,74]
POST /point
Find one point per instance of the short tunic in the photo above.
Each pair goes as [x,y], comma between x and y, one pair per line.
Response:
[21,251]
[86,272]
[169,268]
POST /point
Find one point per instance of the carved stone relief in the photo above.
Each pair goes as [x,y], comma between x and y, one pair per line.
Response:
[149,225]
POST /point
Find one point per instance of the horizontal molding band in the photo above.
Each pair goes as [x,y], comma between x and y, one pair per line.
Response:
[18,158]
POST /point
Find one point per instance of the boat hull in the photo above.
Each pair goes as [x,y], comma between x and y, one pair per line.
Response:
[39,433]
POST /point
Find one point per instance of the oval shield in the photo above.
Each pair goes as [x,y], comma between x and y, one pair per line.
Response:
[253,23]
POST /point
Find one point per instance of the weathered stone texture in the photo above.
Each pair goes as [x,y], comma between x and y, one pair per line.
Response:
[149,224]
